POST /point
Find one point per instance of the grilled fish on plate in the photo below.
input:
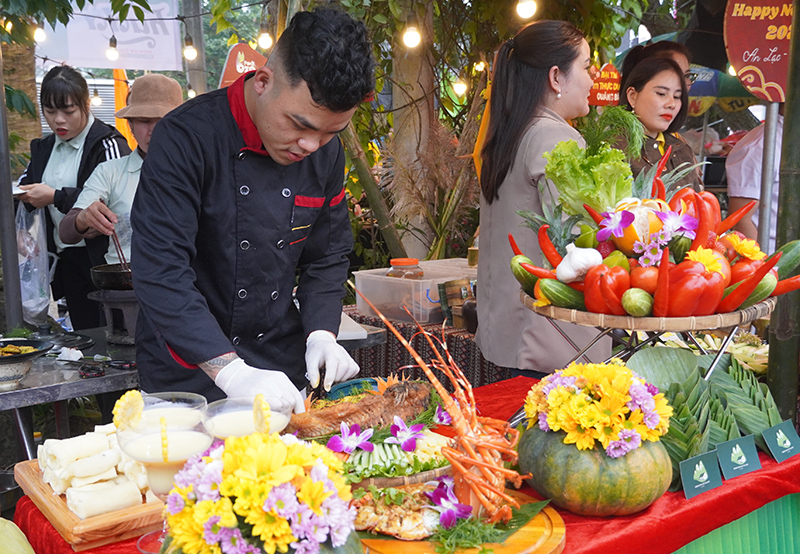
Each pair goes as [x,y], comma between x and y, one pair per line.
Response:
[410,520]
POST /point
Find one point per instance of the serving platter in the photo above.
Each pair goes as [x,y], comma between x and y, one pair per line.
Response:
[41,346]
[544,534]
[83,534]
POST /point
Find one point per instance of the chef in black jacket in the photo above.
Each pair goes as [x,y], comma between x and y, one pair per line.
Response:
[241,198]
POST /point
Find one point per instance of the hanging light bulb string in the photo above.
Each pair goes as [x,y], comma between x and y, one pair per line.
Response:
[264,38]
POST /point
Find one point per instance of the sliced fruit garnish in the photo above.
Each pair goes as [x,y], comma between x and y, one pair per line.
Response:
[128,410]
[164,444]
[261,414]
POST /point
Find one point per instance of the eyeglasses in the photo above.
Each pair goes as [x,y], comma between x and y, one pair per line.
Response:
[690,77]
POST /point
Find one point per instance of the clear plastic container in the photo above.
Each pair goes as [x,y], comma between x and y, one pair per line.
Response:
[405,268]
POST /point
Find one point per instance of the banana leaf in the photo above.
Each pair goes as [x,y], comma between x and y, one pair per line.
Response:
[663,366]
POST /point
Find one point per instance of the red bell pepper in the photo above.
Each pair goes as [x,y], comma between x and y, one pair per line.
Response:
[730,221]
[787,285]
[743,269]
[709,199]
[514,248]
[693,290]
[661,297]
[740,293]
[548,248]
[659,191]
[617,281]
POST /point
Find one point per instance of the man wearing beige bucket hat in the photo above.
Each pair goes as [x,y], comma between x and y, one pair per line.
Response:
[105,202]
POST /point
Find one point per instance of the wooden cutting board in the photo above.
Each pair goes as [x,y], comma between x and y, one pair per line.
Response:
[91,532]
[544,534]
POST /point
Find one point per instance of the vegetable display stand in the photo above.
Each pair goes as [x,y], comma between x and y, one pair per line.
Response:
[652,327]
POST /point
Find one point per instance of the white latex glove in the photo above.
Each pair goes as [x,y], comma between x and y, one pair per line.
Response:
[237,379]
[322,350]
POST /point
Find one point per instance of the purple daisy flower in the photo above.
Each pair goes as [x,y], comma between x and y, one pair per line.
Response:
[212,532]
[283,500]
[305,546]
[628,440]
[543,425]
[648,260]
[651,419]
[350,439]
[175,503]
[234,543]
[661,237]
[614,223]
[652,389]
[639,247]
[404,435]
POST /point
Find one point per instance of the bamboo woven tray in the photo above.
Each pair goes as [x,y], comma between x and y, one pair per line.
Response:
[423,477]
[661,324]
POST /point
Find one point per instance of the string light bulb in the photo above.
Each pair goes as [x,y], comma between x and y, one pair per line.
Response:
[479,66]
[96,100]
[189,51]
[264,38]
[731,71]
[526,8]
[39,35]
[190,92]
[459,86]
[112,53]
[411,36]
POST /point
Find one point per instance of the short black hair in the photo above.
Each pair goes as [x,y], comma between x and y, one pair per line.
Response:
[643,73]
[63,87]
[331,52]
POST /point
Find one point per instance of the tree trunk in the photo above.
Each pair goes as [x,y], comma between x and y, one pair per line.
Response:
[19,72]
[412,100]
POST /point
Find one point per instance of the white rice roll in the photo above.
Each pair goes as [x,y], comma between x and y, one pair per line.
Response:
[59,453]
[59,485]
[135,471]
[106,475]
[107,429]
[92,465]
[87,503]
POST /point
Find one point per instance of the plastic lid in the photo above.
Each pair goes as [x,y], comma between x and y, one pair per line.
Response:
[404,261]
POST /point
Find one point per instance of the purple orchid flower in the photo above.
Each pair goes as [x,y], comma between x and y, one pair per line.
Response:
[676,223]
[445,502]
[350,439]
[404,435]
[441,416]
[614,223]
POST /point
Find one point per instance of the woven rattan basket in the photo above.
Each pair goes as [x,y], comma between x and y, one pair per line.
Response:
[383,482]
[660,324]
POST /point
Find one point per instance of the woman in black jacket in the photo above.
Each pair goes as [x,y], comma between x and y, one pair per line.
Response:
[60,164]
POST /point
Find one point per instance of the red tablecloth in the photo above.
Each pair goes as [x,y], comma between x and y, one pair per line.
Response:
[670,523]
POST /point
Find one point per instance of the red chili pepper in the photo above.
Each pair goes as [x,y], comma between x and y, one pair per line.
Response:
[540,272]
[730,221]
[548,249]
[705,220]
[661,297]
[514,247]
[593,213]
[659,191]
[740,294]
[686,194]
[787,285]
[617,280]
[609,290]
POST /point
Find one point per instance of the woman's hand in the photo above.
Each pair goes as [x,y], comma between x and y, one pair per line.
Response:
[96,216]
[37,195]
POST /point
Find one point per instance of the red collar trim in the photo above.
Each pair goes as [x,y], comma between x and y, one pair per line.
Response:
[245,123]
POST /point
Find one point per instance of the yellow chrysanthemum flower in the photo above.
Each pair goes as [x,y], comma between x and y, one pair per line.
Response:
[187,532]
[707,257]
[313,493]
[746,248]
[222,508]
[272,529]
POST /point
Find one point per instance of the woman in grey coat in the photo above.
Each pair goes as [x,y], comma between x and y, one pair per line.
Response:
[541,80]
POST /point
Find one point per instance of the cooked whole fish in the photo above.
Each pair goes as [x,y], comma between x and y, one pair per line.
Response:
[406,399]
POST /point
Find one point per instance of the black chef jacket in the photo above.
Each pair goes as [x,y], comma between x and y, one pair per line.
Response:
[221,235]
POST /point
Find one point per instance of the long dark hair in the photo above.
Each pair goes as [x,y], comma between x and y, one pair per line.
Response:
[643,73]
[519,82]
[660,49]
[62,87]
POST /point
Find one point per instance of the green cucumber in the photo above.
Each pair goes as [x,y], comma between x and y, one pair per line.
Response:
[789,260]
[762,291]
[525,279]
[561,295]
